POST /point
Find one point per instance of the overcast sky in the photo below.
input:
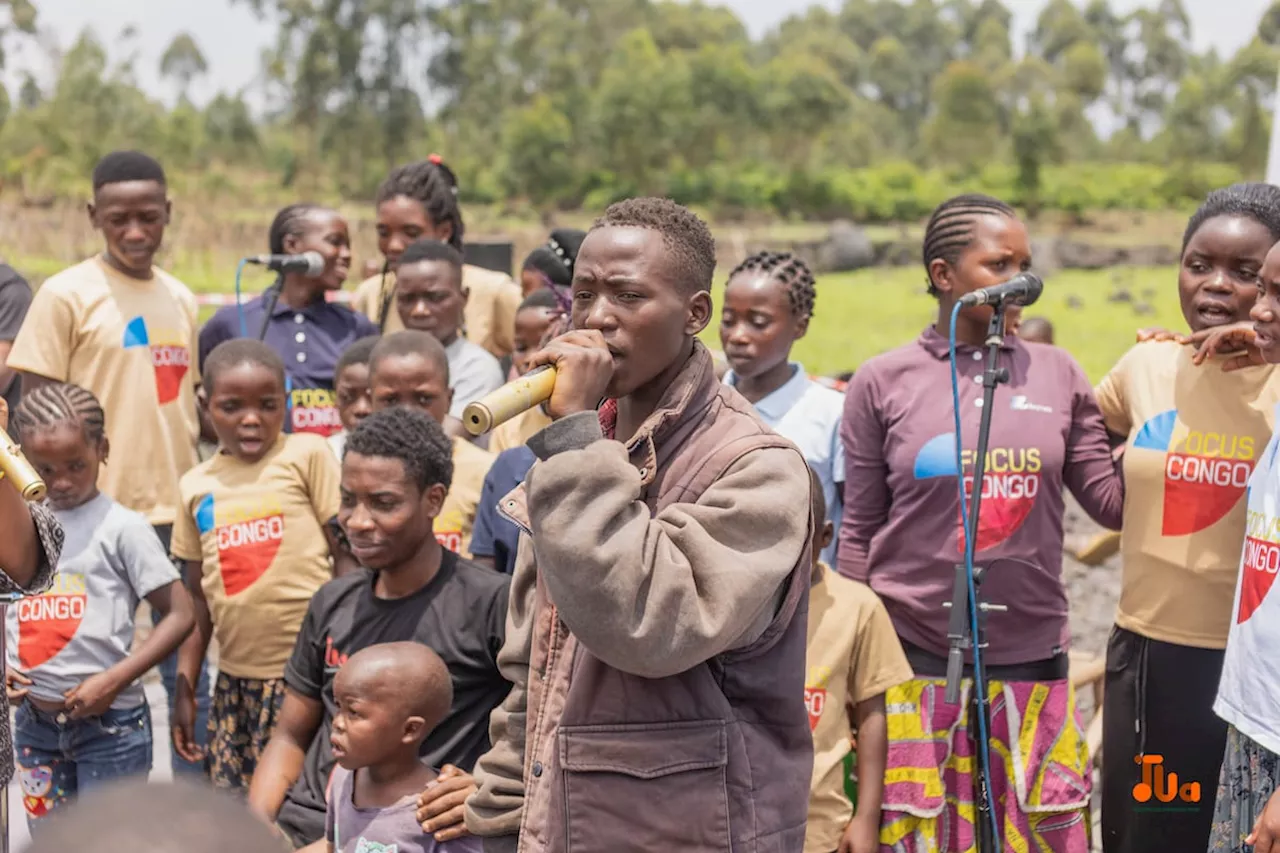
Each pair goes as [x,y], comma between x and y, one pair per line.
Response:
[232,38]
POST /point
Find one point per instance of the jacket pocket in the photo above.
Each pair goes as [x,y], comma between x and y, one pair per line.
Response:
[644,788]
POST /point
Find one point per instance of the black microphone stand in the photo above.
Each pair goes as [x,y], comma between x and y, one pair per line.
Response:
[272,297]
[960,628]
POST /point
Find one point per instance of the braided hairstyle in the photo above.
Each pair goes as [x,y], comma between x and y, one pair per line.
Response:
[1259,202]
[411,436]
[788,270]
[434,186]
[951,227]
[46,406]
[290,222]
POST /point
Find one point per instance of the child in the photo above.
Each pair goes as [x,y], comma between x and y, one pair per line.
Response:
[537,317]
[389,699]
[768,304]
[1246,814]
[255,535]
[430,298]
[85,720]
[411,369]
[854,657]
[421,200]
[297,320]
[1037,330]
[550,266]
[351,387]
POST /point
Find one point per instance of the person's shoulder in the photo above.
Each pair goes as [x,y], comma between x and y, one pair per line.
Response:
[819,398]
[370,286]
[341,589]
[86,275]
[466,453]
[124,521]
[9,277]
[195,478]
[892,361]
[174,285]
[482,581]
[473,276]
[515,458]
[304,445]
[226,319]
[851,593]
[473,352]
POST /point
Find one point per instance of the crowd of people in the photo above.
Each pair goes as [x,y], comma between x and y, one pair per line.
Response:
[693,601]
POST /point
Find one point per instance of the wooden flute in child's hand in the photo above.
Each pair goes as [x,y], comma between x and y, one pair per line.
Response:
[514,398]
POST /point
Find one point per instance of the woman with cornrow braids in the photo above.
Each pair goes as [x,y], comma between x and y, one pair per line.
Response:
[768,303]
[420,200]
[903,534]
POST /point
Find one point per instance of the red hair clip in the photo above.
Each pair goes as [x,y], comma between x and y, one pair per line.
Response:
[436,159]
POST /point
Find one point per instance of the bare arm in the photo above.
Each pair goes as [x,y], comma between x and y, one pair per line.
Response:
[190,661]
[870,723]
[281,762]
[30,548]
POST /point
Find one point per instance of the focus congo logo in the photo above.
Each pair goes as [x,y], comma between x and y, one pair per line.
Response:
[1162,786]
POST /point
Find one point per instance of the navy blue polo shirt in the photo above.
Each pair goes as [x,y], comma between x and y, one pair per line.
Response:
[493,534]
[309,341]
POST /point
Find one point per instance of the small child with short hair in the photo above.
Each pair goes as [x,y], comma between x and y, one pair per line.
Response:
[351,390]
[73,671]
[854,657]
[1037,330]
[256,529]
[389,698]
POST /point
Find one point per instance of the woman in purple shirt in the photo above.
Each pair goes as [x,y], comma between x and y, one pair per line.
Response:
[902,534]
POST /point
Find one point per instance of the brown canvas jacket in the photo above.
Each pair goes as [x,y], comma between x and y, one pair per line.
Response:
[656,638]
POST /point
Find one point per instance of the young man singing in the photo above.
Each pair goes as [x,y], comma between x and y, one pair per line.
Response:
[656,633]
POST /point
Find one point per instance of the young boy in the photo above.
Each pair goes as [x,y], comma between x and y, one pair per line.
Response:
[411,369]
[256,537]
[1037,330]
[854,657]
[125,331]
[351,388]
[395,474]
[671,529]
[430,298]
[539,314]
[389,697]
[768,303]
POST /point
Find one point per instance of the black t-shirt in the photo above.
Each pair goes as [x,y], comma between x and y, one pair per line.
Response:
[15,299]
[461,615]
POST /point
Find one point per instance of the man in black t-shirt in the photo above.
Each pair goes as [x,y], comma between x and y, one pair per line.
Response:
[395,474]
[15,299]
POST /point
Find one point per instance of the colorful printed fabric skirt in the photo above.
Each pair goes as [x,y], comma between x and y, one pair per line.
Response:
[1250,775]
[1041,781]
[241,718]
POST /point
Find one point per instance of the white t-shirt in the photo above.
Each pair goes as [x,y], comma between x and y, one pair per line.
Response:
[1249,692]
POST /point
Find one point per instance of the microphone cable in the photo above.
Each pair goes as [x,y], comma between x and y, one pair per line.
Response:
[979,675]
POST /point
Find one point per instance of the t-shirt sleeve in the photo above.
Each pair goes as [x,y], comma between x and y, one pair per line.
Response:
[304,673]
[15,300]
[193,315]
[185,542]
[330,812]
[140,557]
[323,477]
[1112,399]
[48,336]
[866,491]
[878,661]
[1090,470]
[482,534]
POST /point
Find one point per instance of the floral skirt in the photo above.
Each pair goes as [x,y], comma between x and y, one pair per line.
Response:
[241,719]
[1041,783]
[1250,775]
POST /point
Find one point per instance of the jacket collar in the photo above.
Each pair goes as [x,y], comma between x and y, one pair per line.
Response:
[939,347]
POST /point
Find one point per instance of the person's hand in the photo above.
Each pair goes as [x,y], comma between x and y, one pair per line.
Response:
[1237,338]
[4,413]
[862,835]
[1266,830]
[16,683]
[92,697]
[182,723]
[583,366]
[441,807]
[1155,333]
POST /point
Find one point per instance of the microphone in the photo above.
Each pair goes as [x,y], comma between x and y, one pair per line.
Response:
[18,471]
[514,398]
[310,264]
[1023,289]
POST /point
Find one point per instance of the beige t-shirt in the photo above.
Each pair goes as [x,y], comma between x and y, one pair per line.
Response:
[853,655]
[129,342]
[1195,434]
[258,530]
[490,316]
[458,515]
[518,430]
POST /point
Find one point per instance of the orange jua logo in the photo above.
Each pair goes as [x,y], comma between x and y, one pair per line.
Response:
[1161,785]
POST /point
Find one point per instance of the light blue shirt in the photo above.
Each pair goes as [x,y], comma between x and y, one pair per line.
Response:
[809,415]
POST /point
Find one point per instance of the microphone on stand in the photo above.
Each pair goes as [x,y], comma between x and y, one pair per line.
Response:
[514,398]
[1023,289]
[308,263]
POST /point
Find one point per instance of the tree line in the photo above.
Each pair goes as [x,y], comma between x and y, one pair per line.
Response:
[875,110]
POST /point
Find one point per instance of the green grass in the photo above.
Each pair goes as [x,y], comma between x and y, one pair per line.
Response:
[864,313]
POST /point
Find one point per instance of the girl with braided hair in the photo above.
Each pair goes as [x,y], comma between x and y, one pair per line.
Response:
[420,200]
[903,534]
[73,670]
[768,303]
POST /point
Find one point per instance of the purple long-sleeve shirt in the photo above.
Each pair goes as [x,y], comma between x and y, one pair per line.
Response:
[901,531]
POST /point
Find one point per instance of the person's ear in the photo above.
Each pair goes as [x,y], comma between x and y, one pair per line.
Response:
[290,244]
[433,499]
[168,211]
[412,730]
[92,210]
[697,312]
[444,231]
[828,534]
[202,399]
[942,275]
[801,328]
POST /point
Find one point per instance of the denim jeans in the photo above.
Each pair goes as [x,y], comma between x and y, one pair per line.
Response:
[169,676]
[60,758]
